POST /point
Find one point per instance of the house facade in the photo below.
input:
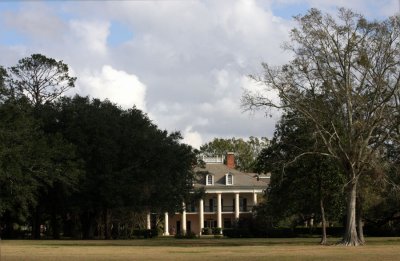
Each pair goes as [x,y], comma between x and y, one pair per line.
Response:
[229,194]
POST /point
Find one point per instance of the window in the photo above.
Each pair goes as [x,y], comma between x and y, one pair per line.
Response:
[211,205]
[229,179]
[191,207]
[243,204]
[209,180]
[210,223]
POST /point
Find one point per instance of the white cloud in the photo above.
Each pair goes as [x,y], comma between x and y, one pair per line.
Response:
[37,21]
[92,35]
[193,56]
[117,86]
[192,138]
[253,86]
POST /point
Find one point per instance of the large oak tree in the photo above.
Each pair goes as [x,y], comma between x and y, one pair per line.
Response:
[344,78]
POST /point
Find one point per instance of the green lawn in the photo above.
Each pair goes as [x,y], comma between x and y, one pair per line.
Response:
[197,249]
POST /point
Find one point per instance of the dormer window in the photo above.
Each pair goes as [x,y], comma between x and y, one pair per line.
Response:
[229,179]
[209,179]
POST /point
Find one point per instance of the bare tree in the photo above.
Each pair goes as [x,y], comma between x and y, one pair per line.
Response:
[344,78]
[40,78]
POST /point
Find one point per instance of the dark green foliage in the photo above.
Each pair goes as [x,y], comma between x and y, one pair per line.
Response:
[32,163]
[187,235]
[81,167]
[206,231]
[216,230]
[144,233]
[129,163]
[17,144]
[298,183]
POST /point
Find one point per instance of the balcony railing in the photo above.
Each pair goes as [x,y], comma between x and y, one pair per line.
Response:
[228,208]
[247,208]
[210,209]
[192,210]
[213,159]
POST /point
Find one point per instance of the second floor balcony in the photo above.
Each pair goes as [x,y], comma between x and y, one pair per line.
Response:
[226,209]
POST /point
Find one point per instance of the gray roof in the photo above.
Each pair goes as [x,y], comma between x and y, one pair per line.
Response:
[240,179]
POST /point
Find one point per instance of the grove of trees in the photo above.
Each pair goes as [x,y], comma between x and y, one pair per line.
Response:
[81,167]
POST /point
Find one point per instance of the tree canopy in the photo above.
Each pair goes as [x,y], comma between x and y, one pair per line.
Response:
[246,151]
[40,79]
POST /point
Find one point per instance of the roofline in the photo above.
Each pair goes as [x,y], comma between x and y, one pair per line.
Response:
[236,190]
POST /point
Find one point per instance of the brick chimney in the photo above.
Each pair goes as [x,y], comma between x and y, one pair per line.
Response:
[230,160]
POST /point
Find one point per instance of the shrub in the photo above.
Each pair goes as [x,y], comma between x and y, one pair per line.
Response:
[206,231]
[237,233]
[216,230]
[187,235]
[145,233]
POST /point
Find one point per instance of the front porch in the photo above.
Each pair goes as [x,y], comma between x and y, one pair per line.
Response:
[216,210]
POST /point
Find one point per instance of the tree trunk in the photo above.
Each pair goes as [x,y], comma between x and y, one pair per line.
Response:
[88,222]
[36,223]
[55,225]
[350,237]
[107,223]
[6,227]
[360,230]
[323,238]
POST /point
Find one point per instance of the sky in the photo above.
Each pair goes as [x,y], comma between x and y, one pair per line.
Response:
[185,63]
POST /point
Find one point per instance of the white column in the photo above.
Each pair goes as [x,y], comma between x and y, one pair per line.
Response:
[166,225]
[219,211]
[254,199]
[148,221]
[201,215]
[184,219]
[236,205]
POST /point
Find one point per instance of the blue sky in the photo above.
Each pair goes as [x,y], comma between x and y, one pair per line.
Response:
[119,33]
[287,11]
[185,63]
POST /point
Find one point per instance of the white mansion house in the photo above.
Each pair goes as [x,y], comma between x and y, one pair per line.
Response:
[229,194]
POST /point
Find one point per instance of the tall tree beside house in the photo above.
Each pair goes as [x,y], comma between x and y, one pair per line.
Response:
[344,79]
[40,78]
[301,188]
[246,150]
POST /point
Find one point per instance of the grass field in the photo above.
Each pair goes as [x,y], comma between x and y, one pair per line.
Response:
[196,249]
